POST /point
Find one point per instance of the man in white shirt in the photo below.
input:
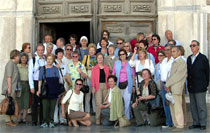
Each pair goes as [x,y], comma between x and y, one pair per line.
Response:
[34,66]
[165,68]
[60,43]
[105,34]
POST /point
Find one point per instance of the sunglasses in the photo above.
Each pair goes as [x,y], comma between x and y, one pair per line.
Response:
[193,45]
[122,54]
[120,43]
[154,39]
[79,84]
[74,56]
[29,47]
[69,49]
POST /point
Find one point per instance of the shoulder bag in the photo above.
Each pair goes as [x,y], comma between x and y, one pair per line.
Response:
[123,122]
[44,86]
[85,88]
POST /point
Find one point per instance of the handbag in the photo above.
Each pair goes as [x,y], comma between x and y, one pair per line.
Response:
[68,80]
[123,85]
[123,122]
[44,86]
[11,106]
[85,88]
[155,103]
[4,105]
[62,88]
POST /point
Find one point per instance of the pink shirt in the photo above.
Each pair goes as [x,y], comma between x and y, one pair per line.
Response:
[123,72]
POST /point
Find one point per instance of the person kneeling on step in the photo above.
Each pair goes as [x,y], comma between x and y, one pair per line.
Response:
[75,108]
[112,108]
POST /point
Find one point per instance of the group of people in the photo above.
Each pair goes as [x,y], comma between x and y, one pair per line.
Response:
[140,79]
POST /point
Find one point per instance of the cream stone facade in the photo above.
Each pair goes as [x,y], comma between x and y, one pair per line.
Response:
[28,20]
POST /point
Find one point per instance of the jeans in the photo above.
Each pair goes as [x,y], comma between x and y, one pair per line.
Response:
[166,108]
[127,102]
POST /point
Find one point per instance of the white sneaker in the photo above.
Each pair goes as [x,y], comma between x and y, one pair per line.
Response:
[165,126]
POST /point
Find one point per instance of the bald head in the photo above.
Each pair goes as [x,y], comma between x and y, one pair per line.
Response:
[169,35]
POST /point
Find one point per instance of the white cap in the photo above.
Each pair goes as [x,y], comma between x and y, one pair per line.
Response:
[170,98]
[83,38]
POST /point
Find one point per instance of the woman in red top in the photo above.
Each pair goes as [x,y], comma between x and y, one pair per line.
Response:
[100,86]
[156,47]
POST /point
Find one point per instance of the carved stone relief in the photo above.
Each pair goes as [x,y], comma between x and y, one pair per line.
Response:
[116,8]
[112,8]
[115,29]
[142,8]
[50,9]
[79,8]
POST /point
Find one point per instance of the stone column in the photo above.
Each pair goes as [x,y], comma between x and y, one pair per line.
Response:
[16,27]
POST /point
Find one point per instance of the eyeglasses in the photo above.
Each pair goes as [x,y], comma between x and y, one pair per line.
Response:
[74,56]
[120,43]
[69,49]
[122,54]
[154,39]
[79,84]
[193,45]
[167,49]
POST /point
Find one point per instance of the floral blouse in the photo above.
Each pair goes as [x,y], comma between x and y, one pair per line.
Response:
[74,74]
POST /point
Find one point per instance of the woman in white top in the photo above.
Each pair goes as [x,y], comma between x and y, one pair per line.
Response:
[59,52]
[68,51]
[140,64]
[75,108]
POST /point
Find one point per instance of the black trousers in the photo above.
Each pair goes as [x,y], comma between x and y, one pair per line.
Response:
[36,106]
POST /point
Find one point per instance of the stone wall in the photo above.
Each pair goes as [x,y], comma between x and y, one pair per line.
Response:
[187,19]
[16,27]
